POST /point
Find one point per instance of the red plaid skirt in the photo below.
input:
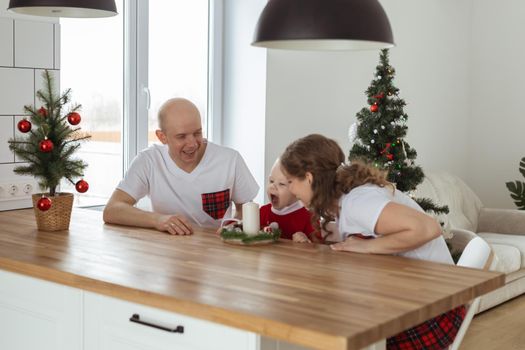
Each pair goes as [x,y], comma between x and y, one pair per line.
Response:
[435,334]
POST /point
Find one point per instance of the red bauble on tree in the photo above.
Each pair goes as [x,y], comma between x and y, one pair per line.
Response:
[82,186]
[42,112]
[73,118]
[24,125]
[46,145]
[374,108]
[43,203]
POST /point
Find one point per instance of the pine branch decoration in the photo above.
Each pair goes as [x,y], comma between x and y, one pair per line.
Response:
[49,123]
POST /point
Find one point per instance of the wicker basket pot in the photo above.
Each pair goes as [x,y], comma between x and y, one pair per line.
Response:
[58,216]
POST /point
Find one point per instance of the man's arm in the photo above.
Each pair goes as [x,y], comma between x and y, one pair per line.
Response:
[120,210]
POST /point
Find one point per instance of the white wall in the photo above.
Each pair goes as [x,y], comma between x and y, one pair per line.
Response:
[322,91]
[27,46]
[244,88]
[497,118]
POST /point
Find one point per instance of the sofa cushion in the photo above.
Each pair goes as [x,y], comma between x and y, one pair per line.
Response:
[515,241]
[446,189]
[515,276]
[507,258]
[496,297]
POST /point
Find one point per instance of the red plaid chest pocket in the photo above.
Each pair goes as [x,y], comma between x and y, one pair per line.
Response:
[216,204]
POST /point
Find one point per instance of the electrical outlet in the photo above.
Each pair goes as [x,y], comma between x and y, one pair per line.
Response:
[27,188]
[12,189]
[17,190]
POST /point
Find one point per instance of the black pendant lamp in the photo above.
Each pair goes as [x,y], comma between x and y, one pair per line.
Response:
[323,25]
[64,8]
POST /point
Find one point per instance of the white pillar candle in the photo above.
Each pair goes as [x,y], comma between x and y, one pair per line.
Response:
[250,218]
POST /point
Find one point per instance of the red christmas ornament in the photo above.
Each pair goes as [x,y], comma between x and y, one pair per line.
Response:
[386,149]
[374,107]
[24,125]
[42,112]
[389,156]
[82,186]
[43,203]
[73,118]
[46,145]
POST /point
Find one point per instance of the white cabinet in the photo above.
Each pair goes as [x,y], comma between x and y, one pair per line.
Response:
[35,314]
[108,327]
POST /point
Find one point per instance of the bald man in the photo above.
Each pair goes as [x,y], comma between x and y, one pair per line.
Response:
[189,180]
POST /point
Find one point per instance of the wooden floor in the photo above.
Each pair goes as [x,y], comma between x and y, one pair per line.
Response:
[502,327]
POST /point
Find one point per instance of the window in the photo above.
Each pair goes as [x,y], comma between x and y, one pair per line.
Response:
[91,65]
[121,69]
[178,55]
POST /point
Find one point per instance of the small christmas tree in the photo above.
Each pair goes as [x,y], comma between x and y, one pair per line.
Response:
[51,142]
[378,135]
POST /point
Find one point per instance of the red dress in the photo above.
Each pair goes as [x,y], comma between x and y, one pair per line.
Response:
[296,221]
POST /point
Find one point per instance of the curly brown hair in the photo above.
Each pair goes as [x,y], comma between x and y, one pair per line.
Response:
[324,159]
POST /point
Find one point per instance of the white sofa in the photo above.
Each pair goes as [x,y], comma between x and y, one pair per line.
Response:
[504,229]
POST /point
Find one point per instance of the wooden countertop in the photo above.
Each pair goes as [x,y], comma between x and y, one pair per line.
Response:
[300,293]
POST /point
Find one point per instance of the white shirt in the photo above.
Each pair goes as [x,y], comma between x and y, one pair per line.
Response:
[174,191]
[360,210]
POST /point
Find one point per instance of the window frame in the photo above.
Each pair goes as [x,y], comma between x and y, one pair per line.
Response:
[136,91]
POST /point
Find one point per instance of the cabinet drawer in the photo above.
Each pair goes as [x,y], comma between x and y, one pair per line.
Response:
[36,314]
[107,326]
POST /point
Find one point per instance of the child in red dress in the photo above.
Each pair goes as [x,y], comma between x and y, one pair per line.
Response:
[293,218]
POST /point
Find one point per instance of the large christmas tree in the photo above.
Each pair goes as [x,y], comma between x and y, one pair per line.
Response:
[52,138]
[378,136]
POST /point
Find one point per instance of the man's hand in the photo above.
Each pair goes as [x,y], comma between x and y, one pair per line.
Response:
[300,237]
[174,225]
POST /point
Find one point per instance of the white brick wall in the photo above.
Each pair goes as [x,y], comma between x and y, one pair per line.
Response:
[27,46]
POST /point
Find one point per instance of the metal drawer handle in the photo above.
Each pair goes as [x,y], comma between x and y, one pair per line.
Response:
[136,318]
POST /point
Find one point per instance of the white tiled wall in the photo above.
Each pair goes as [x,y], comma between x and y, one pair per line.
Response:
[16,89]
[28,45]
[6,41]
[17,133]
[6,131]
[34,44]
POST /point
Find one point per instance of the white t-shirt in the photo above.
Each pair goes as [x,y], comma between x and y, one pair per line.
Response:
[360,210]
[204,196]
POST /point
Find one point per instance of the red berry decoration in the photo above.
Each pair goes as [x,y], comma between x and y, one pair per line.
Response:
[82,186]
[374,107]
[42,112]
[73,118]
[46,145]
[43,203]
[24,125]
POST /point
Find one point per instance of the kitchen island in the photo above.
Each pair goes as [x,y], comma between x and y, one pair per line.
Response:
[219,294]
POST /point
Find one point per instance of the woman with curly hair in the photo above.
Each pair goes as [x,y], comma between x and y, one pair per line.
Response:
[372,217]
